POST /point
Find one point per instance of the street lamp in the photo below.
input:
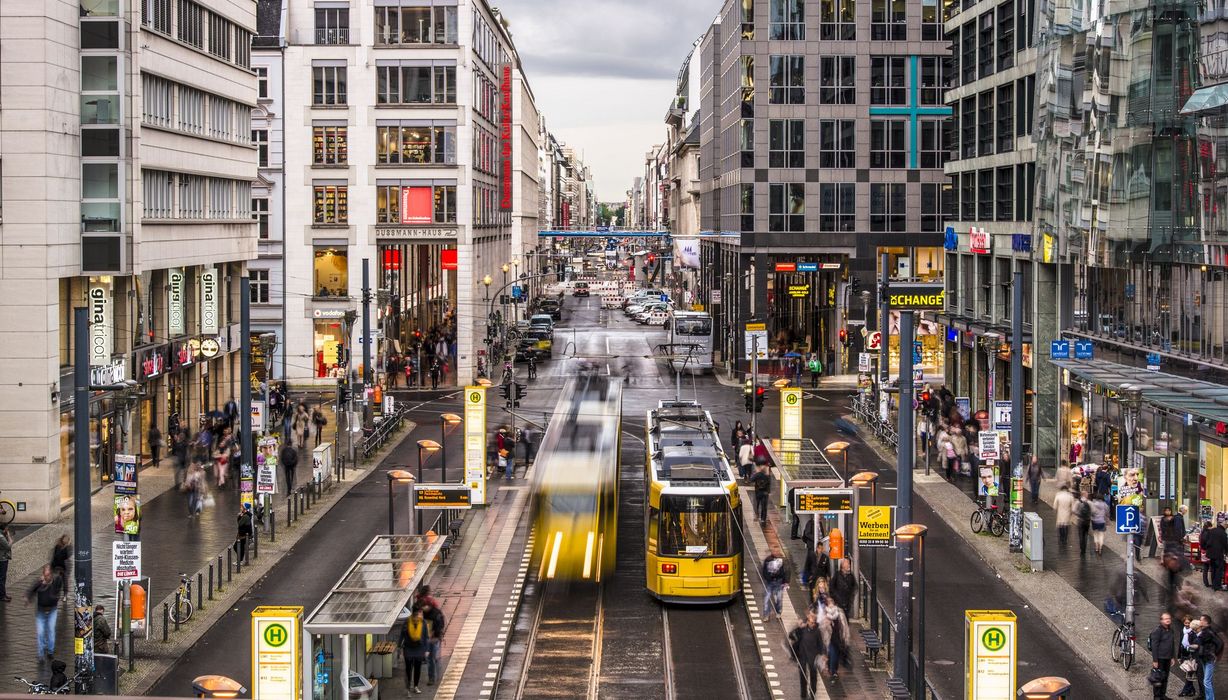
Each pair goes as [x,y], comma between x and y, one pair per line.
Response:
[429,446]
[909,533]
[395,476]
[782,383]
[1047,688]
[861,480]
[445,420]
[839,447]
[214,686]
[483,381]
[486,280]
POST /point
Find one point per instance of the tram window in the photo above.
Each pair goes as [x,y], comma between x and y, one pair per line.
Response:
[691,522]
[572,503]
[652,528]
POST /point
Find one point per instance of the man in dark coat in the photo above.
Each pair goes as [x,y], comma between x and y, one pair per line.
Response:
[1216,547]
[289,461]
[1163,649]
[806,642]
[844,587]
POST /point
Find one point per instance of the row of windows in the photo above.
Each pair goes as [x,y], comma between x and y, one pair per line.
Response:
[989,122]
[415,84]
[485,150]
[170,105]
[838,20]
[486,97]
[988,45]
[888,80]
[486,206]
[837,143]
[996,194]
[189,22]
[397,26]
[394,204]
[171,195]
[838,207]
[486,43]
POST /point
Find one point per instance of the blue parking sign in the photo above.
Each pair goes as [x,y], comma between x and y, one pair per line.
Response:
[1129,520]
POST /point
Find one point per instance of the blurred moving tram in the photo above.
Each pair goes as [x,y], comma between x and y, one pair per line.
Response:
[575,503]
[694,511]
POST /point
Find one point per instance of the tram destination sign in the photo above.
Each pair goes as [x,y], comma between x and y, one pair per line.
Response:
[442,495]
[822,501]
[916,296]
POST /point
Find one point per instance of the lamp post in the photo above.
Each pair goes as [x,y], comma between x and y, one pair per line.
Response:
[214,686]
[1131,404]
[839,447]
[395,476]
[916,533]
[861,480]
[429,446]
[445,420]
[515,277]
[1047,688]
[486,280]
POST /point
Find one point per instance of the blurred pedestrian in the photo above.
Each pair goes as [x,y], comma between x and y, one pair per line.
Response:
[1210,645]
[746,459]
[1188,656]
[289,462]
[817,566]
[1162,644]
[816,369]
[775,571]
[762,481]
[835,628]
[1063,504]
[844,587]
[102,631]
[318,421]
[45,593]
[195,488]
[434,617]
[6,555]
[155,445]
[61,557]
[1083,517]
[245,530]
[1216,547]
[415,645]
[1034,474]
[806,643]
[436,372]
[1100,517]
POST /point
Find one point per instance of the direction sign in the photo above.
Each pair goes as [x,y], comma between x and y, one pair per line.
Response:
[125,561]
[826,501]
[1001,415]
[874,340]
[1129,520]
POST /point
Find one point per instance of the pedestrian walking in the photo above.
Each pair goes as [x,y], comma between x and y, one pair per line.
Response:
[1063,477]
[245,530]
[735,439]
[436,371]
[816,369]
[1162,644]
[1063,505]
[530,438]
[6,555]
[45,593]
[434,617]
[221,457]
[835,627]
[61,557]
[775,571]
[1083,517]
[1100,517]
[415,646]
[289,462]
[318,421]
[1188,657]
[1216,547]
[762,481]
[155,445]
[746,460]
[1202,553]
[1210,645]
[1034,474]
[195,488]
[507,464]
[844,587]
[816,567]
[806,644]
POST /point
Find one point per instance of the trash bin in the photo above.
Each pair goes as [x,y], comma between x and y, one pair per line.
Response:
[1033,540]
[106,674]
[360,687]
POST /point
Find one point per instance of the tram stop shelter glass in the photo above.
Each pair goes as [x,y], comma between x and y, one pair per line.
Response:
[801,464]
[355,628]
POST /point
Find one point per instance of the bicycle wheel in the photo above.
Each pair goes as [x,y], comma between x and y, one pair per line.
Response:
[182,612]
[997,525]
[8,512]
[1115,651]
[1127,655]
[977,521]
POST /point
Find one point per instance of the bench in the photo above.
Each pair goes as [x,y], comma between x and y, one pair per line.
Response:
[874,645]
[898,689]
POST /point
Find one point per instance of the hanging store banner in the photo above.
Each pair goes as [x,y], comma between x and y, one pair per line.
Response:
[447,259]
[686,253]
[174,303]
[791,414]
[417,205]
[207,301]
[505,140]
[101,324]
[475,443]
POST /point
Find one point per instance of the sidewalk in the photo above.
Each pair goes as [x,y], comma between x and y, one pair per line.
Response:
[171,544]
[858,682]
[1071,590]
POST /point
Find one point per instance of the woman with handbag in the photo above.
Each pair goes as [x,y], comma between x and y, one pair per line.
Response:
[1187,656]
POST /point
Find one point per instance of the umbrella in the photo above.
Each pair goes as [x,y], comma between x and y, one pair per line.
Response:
[793,353]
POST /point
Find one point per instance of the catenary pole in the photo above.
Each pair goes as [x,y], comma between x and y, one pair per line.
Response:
[903,500]
[1017,392]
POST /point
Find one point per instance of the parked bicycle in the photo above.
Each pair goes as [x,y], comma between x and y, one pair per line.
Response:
[991,518]
[40,688]
[182,609]
[8,512]
[1123,644]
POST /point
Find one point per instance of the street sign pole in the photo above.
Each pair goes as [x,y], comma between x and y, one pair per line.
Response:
[1017,420]
[903,499]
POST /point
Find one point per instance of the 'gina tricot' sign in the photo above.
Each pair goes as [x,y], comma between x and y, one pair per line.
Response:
[100,326]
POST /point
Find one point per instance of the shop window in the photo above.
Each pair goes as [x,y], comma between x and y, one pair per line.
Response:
[329,347]
[417,205]
[332,276]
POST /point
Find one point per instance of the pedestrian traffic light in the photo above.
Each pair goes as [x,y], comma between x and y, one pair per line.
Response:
[855,284]
[506,392]
[844,337]
[343,393]
[925,396]
[759,394]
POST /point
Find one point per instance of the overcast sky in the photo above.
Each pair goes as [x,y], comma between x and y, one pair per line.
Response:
[603,73]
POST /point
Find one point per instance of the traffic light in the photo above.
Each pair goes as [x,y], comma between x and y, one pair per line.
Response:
[517,394]
[925,396]
[759,394]
[506,392]
[343,392]
[855,284]
[844,337]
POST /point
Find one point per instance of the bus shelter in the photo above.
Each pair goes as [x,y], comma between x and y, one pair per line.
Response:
[352,633]
[802,464]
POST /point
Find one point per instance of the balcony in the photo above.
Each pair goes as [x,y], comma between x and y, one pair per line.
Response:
[336,36]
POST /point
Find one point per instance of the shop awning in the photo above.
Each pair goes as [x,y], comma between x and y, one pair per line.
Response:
[1178,394]
[372,593]
[1207,99]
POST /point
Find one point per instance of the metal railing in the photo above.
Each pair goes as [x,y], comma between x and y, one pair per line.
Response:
[884,431]
[883,625]
[383,432]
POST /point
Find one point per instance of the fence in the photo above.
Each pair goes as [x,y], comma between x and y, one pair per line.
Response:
[883,430]
[383,431]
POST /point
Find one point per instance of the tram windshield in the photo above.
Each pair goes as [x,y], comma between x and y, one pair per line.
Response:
[693,326]
[695,526]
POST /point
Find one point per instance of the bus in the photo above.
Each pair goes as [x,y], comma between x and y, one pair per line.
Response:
[693,511]
[691,340]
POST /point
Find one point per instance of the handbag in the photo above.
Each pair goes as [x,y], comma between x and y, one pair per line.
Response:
[1189,665]
[1157,676]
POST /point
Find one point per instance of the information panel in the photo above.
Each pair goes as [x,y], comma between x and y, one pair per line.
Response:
[442,495]
[791,414]
[818,501]
[277,653]
[990,643]
[475,443]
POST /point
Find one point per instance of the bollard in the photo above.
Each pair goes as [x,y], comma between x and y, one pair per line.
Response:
[256,544]
[272,526]
[229,564]
[200,590]
[290,507]
[178,599]
[166,620]
[131,652]
[219,573]
[210,580]
[239,561]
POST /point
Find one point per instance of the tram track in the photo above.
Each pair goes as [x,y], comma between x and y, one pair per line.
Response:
[707,654]
[564,637]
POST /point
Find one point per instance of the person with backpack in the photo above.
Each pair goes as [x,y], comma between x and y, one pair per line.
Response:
[434,616]
[245,531]
[776,577]
[289,462]
[762,481]
[1210,644]
[415,646]
[1083,514]
[806,643]
[835,627]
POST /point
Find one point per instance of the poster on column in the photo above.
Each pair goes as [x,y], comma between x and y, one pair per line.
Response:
[127,512]
[125,475]
[475,443]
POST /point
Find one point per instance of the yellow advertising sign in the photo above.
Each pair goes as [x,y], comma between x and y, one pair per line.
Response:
[990,642]
[277,653]
[791,414]
[475,443]
[874,526]
[330,352]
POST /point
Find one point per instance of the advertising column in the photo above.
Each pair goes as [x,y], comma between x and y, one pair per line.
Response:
[475,443]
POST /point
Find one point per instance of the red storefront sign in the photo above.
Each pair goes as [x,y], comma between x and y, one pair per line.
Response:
[392,259]
[416,205]
[505,140]
[978,240]
[447,259]
[786,267]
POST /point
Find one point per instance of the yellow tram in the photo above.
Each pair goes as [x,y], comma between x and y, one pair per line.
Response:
[693,511]
[575,502]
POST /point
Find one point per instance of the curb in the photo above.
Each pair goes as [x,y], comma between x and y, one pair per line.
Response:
[1042,589]
[155,659]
